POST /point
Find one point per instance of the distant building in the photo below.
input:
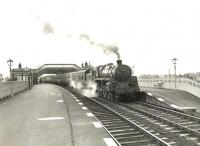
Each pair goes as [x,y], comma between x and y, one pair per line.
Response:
[21,74]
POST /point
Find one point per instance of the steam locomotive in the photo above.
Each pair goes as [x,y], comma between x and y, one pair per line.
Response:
[112,81]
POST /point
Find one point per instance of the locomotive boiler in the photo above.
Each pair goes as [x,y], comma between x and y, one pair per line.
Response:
[116,82]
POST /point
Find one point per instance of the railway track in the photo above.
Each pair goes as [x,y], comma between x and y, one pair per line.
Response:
[171,126]
[160,126]
[124,130]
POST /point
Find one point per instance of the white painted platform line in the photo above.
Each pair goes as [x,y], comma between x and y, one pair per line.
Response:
[55,93]
[173,105]
[84,108]
[109,142]
[51,118]
[59,101]
[74,97]
[161,99]
[80,103]
[89,114]
[97,125]
[150,94]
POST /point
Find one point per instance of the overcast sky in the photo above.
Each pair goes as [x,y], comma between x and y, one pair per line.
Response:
[148,33]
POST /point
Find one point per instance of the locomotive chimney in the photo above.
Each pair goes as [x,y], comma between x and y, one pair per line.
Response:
[119,62]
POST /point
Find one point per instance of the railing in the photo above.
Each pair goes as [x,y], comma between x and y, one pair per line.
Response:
[181,84]
[6,89]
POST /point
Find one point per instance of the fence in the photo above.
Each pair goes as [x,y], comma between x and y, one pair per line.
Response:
[181,84]
[17,86]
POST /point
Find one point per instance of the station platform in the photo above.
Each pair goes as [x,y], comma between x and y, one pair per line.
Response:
[48,115]
[175,98]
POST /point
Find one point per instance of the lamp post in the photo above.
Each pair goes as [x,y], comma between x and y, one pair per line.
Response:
[174,62]
[10,63]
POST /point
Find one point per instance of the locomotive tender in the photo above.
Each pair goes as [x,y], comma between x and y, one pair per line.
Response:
[110,81]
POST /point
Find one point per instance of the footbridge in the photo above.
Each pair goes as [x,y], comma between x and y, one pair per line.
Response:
[53,69]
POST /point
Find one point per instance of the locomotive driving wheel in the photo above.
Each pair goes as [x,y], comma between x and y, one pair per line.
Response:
[105,94]
[111,96]
[117,97]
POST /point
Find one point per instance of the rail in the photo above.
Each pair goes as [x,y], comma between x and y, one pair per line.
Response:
[169,83]
[8,88]
[123,130]
[166,125]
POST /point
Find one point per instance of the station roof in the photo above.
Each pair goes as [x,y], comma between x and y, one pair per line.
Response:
[56,69]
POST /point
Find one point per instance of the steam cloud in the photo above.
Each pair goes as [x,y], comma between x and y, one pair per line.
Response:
[87,90]
[107,49]
[48,28]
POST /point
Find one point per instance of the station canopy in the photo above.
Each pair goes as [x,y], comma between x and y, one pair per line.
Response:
[56,69]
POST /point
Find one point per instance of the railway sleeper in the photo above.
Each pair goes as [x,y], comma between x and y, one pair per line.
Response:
[138,142]
[120,131]
[115,125]
[131,137]
[179,119]
[186,123]
[169,128]
[193,126]
[101,118]
[196,129]
[184,134]
[118,128]
[175,131]
[128,133]
[111,122]
[102,113]
[164,114]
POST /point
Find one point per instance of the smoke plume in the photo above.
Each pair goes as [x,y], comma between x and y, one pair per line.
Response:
[48,28]
[107,49]
[112,49]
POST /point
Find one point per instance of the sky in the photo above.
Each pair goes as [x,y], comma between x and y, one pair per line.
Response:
[147,34]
